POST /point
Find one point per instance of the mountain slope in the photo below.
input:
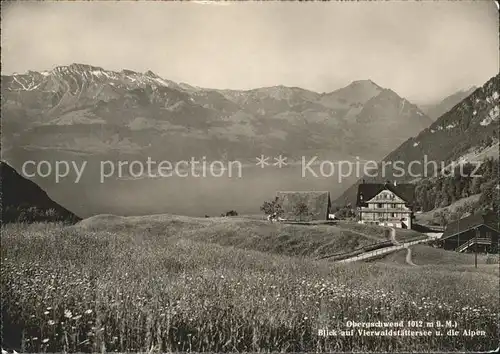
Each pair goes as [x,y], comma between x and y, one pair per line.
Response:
[434,111]
[23,200]
[468,132]
[84,109]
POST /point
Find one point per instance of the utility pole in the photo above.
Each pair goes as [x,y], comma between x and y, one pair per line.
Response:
[475,248]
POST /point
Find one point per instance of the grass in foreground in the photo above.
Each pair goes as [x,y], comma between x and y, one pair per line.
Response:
[70,289]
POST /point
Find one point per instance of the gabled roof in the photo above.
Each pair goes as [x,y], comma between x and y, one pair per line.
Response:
[487,218]
[318,203]
[367,191]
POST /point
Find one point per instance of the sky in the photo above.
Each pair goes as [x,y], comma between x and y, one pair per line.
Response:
[422,50]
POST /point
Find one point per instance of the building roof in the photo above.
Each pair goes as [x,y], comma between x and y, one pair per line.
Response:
[367,191]
[318,203]
[488,218]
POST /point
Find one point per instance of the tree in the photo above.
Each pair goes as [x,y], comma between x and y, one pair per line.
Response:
[301,210]
[272,207]
[454,216]
[476,185]
[345,212]
[489,193]
[23,216]
[438,197]
[441,217]
[51,212]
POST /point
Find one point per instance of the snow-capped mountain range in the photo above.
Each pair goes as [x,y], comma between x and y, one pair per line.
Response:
[83,109]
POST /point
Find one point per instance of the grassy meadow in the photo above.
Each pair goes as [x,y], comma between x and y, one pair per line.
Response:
[427,256]
[240,232]
[164,283]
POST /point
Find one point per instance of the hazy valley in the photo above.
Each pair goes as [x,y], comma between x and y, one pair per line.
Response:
[84,113]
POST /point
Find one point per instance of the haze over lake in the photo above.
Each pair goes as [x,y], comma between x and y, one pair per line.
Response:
[193,196]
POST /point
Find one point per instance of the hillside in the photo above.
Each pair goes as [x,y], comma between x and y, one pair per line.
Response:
[427,218]
[467,133]
[434,111]
[82,109]
[276,238]
[22,200]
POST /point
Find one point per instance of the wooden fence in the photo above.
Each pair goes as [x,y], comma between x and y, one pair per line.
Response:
[385,245]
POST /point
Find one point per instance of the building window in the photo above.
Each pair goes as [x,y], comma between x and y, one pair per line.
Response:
[379,205]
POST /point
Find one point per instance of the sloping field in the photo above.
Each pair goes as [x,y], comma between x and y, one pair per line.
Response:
[427,256]
[403,235]
[381,232]
[74,289]
[258,235]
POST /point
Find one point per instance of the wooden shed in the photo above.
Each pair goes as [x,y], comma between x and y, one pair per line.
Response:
[477,232]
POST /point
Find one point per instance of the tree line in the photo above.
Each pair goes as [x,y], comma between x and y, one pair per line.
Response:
[442,191]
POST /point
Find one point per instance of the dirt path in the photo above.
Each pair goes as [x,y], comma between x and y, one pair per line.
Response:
[393,236]
[408,257]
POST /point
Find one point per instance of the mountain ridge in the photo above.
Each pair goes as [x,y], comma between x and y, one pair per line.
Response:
[79,102]
[23,200]
[469,129]
[437,109]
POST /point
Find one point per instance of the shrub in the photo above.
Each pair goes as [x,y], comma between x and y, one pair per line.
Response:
[272,207]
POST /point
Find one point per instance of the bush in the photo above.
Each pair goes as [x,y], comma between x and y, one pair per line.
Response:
[301,211]
[492,259]
[441,217]
[272,207]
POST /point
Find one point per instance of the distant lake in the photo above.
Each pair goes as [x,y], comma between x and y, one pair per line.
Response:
[194,196]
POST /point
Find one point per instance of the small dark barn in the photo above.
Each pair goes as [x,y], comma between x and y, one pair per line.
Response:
[477,232]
